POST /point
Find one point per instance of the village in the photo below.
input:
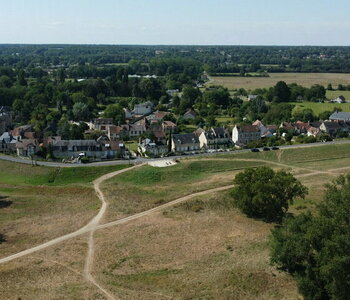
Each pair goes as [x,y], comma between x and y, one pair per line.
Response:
[156,136]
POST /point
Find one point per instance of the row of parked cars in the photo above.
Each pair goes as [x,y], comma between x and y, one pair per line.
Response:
[264,149]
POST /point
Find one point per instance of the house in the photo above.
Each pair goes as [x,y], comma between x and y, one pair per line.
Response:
[340,99]
[215,138]
[112,149]
[8,142]
[252,97]
[159,136]
[27,147]
[137,129]
[168,126]
[245,134]
[23,131]
[147,147]
[185,142]
[142,108]
[301,127]
[314,131]
[198,131]
[127,114]
[117,132]
[330,127]
[272,129]
[157,116]
[340,116]
[287,126]
[102,124]
[262,128]
[190,114]
[76,148]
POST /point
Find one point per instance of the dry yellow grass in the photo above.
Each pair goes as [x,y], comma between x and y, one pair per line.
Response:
[200,249]
[41,213]
[190,253]
[55,273]
[304,79]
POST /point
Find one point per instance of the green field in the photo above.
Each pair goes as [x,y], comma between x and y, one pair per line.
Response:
[22,174]
[334,94]
[321,107]
[304,79]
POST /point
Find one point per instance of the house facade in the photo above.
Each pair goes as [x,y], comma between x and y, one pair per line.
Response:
[185,142]
[147,147]
[102,124]
[215,138]
[27,147]
[245,134]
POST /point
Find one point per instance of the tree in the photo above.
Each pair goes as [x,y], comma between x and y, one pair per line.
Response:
[81,112]
[281,92]
[278,113]
[116,112]
[266,194]
[316,248]
[305,115]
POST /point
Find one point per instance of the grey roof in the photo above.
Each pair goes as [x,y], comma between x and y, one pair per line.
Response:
[6,137]
[80,143]
[187,138]
[220,132]
[341,115]
[332,125]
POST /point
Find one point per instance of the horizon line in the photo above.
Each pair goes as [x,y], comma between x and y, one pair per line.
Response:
[173,45]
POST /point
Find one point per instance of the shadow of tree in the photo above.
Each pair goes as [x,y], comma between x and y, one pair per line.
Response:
[4,203]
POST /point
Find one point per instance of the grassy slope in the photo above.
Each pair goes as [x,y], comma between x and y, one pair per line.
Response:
[41,203]
[202,249]
[148,187]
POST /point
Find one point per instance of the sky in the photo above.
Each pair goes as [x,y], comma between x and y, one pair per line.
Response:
[176,22]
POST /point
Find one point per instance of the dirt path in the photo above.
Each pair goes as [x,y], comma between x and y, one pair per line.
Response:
[95,223]
[87,228]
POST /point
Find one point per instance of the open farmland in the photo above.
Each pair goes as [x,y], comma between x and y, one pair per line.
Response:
[318,108]
[196,248]
[304,79]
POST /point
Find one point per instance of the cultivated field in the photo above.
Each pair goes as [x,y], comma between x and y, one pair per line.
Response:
[200,248]
[304,79]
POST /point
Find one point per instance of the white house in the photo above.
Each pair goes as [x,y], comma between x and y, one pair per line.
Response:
[245,134]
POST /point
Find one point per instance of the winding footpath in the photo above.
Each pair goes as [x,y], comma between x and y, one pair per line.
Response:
[95,223]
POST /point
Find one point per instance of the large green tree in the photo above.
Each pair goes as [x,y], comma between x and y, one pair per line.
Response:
[265,193]
[316,248]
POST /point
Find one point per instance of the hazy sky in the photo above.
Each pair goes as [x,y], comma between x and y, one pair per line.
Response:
[229,22]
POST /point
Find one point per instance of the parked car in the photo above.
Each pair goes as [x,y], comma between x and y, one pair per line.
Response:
[255,150]
[266,149]
[275,148]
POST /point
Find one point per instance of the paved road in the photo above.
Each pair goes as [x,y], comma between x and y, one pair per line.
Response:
[144,160]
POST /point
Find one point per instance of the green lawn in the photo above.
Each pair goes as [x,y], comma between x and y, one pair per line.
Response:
[334,94]
[21,174]
[321,107]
